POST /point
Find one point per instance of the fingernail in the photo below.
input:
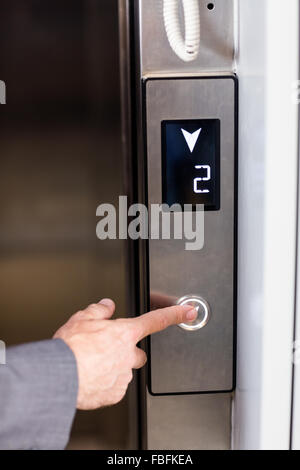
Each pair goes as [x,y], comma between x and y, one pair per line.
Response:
[191,314]
[107,302]
[187,307]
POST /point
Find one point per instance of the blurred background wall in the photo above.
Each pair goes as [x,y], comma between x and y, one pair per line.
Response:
[60,157]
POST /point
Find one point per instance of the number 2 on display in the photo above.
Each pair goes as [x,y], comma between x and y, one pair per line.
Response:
[199,180]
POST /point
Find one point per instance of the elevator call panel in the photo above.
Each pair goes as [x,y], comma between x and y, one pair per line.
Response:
[190,141]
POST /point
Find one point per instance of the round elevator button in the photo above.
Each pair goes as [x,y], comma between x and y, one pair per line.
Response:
[203,309]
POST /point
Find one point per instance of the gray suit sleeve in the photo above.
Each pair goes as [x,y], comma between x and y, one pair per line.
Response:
[38,394]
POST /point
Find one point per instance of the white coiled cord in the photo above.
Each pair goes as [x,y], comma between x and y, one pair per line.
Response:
[186,49]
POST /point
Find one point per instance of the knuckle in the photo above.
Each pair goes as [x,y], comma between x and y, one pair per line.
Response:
[93,308]
[179,317]
[163,322]
[143,359]
[77,315]
[132,358]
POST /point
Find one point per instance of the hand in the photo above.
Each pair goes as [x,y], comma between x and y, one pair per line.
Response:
[106,351]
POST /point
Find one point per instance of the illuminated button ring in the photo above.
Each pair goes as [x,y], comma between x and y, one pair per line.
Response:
[203,309]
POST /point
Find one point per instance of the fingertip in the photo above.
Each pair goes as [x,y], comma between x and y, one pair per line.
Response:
[191,315]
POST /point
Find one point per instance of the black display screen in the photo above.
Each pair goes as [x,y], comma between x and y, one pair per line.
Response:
[191,162]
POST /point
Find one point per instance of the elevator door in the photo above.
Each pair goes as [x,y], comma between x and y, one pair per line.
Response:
[60,158]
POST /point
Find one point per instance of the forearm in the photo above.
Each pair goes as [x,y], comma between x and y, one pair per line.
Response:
[38,395]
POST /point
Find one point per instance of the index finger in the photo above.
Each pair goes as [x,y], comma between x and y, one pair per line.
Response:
[159,320]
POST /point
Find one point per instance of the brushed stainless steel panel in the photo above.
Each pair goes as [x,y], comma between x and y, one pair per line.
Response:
[174,422]
[218,45]
[196,422]
[200,361]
